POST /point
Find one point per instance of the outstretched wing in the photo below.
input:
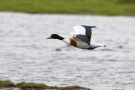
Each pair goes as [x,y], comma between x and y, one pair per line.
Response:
[80,33]
[88,30]
[79,30]
[83,30]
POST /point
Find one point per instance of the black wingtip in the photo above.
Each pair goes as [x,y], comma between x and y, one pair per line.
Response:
[89,26]
[93,26]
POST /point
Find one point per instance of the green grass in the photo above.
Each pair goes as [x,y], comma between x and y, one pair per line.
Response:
[98,7]
[36,86]
[6,83]
[24,85]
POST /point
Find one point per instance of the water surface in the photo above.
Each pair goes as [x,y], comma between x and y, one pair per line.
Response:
[26,54]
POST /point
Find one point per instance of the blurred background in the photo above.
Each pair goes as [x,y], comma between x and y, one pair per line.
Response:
[98,7]
[27,56]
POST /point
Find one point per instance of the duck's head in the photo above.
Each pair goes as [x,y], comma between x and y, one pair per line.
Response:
[55,36]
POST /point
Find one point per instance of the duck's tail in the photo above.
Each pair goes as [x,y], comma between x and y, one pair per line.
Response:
[95,44]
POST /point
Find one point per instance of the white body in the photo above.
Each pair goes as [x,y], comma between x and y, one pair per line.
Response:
[80,30]
[81,44]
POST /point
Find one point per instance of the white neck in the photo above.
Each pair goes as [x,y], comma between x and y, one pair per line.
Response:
[67,41]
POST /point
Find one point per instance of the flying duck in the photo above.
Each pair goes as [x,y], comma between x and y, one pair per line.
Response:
[81,38]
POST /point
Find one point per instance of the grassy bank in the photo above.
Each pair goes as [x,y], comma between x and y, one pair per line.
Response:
[98,7]
[36,86]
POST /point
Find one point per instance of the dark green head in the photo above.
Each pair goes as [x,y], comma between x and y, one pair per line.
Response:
[55,36]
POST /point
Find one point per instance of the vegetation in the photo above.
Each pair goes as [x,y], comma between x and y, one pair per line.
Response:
[126,1]
[36,86]
[24,85]
[98,7]
[6,83]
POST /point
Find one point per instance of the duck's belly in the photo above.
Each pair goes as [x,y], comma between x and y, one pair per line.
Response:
[76,43]
[81,44]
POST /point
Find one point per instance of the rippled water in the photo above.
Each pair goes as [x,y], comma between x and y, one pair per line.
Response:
[26,54]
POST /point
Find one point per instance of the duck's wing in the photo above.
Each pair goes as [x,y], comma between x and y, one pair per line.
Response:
[81,33]
[79,30]
[83,30]
[88,30]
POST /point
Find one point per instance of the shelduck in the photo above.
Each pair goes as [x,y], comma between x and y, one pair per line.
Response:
[81,38]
